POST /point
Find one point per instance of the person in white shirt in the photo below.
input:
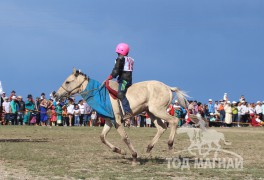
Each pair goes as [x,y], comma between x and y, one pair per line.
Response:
[70,109]
[6,109]
[77,114]
[244,112]
[82,112]
[251,109]
[258,109]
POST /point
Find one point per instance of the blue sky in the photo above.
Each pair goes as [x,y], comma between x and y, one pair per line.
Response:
[204,47]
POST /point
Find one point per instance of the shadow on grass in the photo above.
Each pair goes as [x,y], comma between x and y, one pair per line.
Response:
[140,160]
[24,140]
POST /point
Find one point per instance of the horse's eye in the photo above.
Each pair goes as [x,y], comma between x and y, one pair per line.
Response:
[67,82]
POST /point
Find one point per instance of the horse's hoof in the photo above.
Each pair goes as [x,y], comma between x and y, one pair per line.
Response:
[170,148]
[149,148]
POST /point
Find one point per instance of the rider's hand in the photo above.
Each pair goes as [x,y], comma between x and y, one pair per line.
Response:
[110,77]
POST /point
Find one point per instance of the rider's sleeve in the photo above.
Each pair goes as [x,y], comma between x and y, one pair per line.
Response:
[119,66]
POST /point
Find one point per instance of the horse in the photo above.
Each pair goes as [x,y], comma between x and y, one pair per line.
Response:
[152,97]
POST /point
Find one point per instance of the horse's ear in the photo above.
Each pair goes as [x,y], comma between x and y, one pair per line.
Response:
[77,73]
[74,71]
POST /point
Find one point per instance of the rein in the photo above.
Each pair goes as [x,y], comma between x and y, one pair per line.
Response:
[68,92]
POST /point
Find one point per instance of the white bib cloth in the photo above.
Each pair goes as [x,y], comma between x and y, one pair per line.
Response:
[129,63]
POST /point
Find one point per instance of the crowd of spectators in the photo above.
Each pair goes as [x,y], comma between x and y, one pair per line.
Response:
[224,113]
[41,111]
[46,112]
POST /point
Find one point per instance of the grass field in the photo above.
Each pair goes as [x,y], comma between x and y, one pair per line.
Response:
[77,153]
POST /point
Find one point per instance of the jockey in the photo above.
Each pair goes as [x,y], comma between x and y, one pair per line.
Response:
[123,70]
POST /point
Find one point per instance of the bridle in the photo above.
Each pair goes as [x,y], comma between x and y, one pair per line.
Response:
[68,93]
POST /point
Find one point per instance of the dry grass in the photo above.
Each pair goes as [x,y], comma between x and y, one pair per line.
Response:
[77,153]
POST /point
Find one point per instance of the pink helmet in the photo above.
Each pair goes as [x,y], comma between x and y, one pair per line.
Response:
[122,48]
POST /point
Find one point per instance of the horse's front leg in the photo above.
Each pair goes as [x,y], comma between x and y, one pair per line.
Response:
[107,127]
[123,134]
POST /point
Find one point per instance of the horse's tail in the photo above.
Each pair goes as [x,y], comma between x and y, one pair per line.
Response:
[181,96]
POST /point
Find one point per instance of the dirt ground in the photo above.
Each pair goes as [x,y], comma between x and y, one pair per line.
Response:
[77,153]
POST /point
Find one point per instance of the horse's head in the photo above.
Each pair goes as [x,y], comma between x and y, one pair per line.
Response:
[75,83]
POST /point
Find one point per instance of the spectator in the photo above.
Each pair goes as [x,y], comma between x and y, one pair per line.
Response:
[222,113]
[53,118]
[234,113]
[77,114]
[216,111]
[48,122]
[93,118]
[2,99]
[142,119]
[244,112]
[29,107]
[42,96]
[170,109]
[201,109]
[43,110]
[195,107]
[58,110]
[101,121]
[13,93]
[256,121]
[177,112]
[6,108]
[148,120]
[20,113]
[87,114]
[239,109]
[70,108]
[258,109]
[14,110]
[37,108]
[211,107]
[65,118]
[207,115]
[228,114]
[251,110]
[242,98]
[82,111]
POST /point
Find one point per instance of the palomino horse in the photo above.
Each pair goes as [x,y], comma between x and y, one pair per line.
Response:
[151,96]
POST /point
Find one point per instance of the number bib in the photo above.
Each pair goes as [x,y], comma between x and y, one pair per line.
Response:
[129,63]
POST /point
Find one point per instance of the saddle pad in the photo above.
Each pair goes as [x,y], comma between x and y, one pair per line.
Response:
[112,92]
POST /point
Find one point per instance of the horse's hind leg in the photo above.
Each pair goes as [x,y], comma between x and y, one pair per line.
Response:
[173,121]
[107,127]
[125,138]
[161,128]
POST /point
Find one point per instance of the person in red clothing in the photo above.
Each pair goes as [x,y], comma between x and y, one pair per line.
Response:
[255,121]
[148,120]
